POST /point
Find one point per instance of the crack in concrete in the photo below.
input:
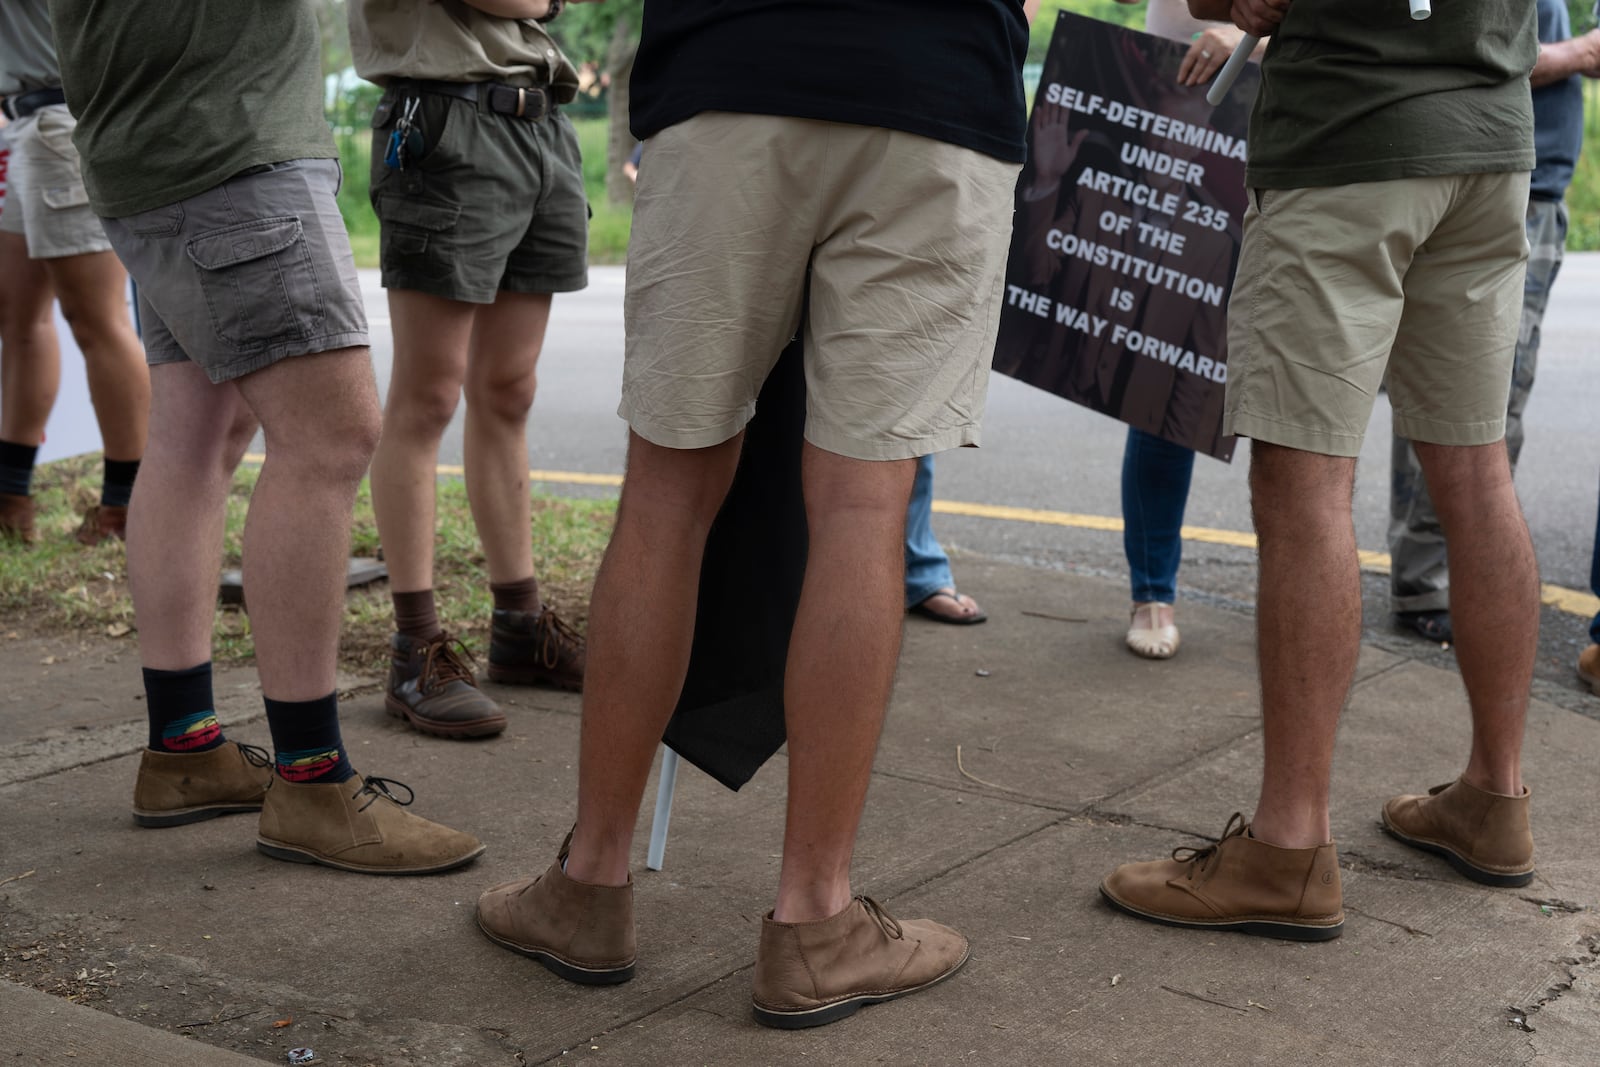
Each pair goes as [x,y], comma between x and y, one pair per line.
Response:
[1588,957]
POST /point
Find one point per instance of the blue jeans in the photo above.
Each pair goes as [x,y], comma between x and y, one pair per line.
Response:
[927,567]
[1155,488]
[1594,580]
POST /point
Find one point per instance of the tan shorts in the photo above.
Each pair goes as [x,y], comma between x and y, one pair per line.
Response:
[907,241]
[1420,278]
[45,199]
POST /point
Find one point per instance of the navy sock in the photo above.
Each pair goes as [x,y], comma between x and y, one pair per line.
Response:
[182,716]
[117,488]
[16,467]
[305,738]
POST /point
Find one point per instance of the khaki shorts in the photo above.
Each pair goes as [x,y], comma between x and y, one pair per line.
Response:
[46,200]
[1419,278]
[907,241]
[247,273]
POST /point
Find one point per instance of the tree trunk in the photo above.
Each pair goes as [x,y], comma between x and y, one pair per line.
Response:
[619,144]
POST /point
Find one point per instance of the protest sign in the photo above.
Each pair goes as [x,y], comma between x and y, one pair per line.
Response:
[1127,232]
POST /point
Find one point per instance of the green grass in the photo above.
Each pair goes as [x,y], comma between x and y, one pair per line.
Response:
[58,587]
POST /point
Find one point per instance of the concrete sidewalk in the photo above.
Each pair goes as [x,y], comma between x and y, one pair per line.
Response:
[1074,756]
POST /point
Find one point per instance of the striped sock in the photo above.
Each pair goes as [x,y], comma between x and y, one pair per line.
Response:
[180,710]
[305,738]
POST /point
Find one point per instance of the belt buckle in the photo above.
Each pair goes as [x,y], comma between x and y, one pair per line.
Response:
[542,109]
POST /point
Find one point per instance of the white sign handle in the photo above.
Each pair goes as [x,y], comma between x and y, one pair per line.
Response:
[1230,69]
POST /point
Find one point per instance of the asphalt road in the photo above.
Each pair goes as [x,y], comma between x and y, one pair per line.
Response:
[1042,452]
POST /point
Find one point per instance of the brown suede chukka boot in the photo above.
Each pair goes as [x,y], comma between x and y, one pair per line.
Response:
[1485,836]
[174,788]
[812,973]
[16,518]
[582,932]
[526,648]
[102,523]
[358,825]
[432,688]
[1239,884]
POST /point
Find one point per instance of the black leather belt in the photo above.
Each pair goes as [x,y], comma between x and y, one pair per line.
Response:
[531,105]
[25,104]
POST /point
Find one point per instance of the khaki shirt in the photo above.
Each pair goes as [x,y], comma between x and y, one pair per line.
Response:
[449,40]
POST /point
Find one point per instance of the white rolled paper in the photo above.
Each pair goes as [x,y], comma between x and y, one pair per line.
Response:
[1230,70]
[1420,9]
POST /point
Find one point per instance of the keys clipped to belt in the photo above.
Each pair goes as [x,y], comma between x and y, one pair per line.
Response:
[405,138]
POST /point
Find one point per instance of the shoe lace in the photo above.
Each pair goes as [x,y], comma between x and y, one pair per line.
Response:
[446,660]
[255,755]
[379,787]
[888,923]
[555,637]
[1199,859]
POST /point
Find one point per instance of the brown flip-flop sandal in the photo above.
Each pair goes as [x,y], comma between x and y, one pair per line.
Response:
[921,608]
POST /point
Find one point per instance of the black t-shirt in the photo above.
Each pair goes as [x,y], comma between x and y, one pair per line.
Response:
[946,69]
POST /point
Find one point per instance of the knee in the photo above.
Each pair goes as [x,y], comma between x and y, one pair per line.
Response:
[94,323]
[504,398]
[423,412]
[339,456]
[1295,494]
[669,488]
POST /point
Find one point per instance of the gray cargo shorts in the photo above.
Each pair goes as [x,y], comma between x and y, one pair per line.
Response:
[249,272]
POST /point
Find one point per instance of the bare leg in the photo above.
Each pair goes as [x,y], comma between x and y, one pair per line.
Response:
[641,625]
[175,522]
[1494,601]
[30,360]
[320,414]
[501,378]
[1308,632]
[841,669]
[431,336]
[93,291]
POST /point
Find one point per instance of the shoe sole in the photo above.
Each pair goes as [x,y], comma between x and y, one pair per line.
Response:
[831,1013]
[1283,931]
[294,854]
[476,728]
[160,819]
[570,971]
[1462,866]
[523,676]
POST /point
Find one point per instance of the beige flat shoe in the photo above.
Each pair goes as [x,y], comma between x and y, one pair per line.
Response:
[1148,639]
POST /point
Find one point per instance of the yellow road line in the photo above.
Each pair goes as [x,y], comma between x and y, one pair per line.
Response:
[1571,601]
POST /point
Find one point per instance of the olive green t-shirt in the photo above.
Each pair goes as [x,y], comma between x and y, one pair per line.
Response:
[174,97]
[448,40]
[1356,91]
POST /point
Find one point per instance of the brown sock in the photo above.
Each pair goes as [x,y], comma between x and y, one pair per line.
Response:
[516,596]
[414,615]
